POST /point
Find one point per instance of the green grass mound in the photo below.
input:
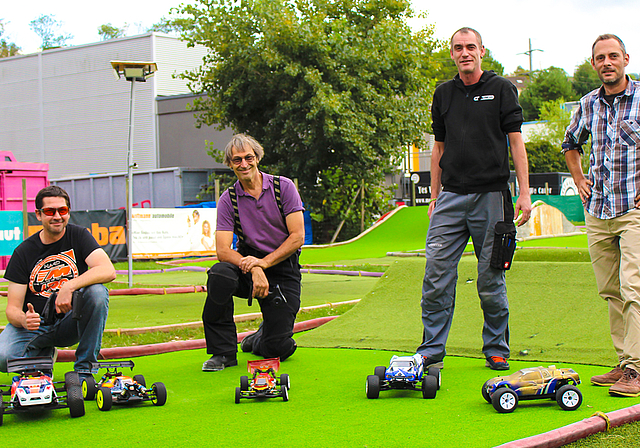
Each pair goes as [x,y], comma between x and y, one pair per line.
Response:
[555,314]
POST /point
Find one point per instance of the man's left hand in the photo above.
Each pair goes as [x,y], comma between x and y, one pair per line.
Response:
[523,204]
[247,263]
[63,301]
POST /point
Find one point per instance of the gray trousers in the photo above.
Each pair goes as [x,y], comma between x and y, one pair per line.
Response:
[456,218]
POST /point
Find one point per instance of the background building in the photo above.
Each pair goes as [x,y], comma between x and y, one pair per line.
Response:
[64,107]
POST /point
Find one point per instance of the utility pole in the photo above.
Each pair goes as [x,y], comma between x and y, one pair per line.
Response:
[530,54]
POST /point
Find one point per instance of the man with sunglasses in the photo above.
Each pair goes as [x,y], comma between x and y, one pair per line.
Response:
[265,212]
[47,271]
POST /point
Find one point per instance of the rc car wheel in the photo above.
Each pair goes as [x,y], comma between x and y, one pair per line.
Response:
[373,386]
[159,392]
[569,397]
[140,380]
[1,409]
[504,400]
[104,400]
[89,388]
[75,400]
[71,379]
[285,393]
[429,386]
[435,372]
[244,383]
[380,372]
[485,394]
[238,395]
[285,381]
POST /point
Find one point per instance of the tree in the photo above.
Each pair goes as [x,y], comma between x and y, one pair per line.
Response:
[585,79]
[544,148]
[546,85]
[333,89]
[47,27]
[447,68]
[6,48]
[108,31]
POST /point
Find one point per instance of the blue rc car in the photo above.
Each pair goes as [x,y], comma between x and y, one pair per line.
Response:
[404,372]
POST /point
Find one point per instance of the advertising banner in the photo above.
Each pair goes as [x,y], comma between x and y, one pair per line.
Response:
[173,232]
[106,226]
[10,231]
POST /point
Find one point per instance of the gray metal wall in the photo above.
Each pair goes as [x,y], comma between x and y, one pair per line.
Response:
[65,108]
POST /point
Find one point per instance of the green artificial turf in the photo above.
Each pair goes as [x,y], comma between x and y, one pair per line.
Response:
[152,310]
[555,314]
[327,408]
[406,230]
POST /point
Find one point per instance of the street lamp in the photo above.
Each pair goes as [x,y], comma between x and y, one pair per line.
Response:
[132,71]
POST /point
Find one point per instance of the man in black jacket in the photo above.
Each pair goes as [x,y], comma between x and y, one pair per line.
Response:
[476,121]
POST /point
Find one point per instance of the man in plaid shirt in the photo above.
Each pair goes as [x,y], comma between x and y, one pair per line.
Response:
[610,115]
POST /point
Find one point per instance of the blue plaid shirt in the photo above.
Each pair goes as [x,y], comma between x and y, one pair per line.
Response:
[614,163]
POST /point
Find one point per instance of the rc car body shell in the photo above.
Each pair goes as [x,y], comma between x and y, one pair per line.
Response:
[534,383]
[33,388]
[124,389]
[263,382]
[404,372]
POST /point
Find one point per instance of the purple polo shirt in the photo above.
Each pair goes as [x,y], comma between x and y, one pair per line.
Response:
[262,223]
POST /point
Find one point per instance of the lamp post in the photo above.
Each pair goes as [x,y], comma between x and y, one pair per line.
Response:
[132,71]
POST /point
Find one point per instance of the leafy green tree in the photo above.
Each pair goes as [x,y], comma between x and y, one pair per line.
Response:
[6,48]
[520,71]
[333,89]
[546,85]
[585,79]
[48,28]
[108,31]
[544,148]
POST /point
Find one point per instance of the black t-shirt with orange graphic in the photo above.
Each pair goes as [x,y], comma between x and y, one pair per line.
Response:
[44,268]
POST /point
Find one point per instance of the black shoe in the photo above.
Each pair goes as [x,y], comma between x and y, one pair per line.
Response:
[219,362]
[290,351]
[428,362]
[247,343]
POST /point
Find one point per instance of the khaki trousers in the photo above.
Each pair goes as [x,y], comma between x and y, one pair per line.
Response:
[614,247]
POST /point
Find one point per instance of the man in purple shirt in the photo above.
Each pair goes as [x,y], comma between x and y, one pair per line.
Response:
[265,213]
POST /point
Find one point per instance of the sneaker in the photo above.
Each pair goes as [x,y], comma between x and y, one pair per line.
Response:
[628,385]
[219,362]
[608,379]
[428,362]
[497,363]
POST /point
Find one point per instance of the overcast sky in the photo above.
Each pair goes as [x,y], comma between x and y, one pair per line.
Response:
[563,29]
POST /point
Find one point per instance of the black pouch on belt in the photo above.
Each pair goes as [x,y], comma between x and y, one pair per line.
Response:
[504,239]
[504,245]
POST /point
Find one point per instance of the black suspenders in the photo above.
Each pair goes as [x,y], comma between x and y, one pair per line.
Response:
[237,227]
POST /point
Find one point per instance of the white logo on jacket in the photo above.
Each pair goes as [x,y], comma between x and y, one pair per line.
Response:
[484,98]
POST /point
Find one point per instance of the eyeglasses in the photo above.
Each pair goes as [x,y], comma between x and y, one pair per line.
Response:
[51,211]
[238,160]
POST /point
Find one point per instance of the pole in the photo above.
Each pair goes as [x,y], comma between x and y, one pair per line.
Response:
[530,57]
[130,188]
[25,219]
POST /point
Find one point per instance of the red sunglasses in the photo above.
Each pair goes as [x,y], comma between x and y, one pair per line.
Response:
[51,211]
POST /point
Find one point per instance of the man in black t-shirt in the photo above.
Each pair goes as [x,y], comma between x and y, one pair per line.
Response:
[61,258]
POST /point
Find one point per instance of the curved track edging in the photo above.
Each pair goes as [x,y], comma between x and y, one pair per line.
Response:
[579,430]
[174,346]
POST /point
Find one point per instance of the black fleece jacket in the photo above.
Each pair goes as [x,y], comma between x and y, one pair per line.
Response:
[473,126]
